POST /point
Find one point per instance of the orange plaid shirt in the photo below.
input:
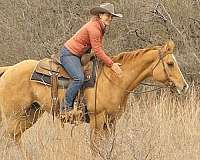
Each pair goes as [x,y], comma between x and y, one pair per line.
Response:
[90,36]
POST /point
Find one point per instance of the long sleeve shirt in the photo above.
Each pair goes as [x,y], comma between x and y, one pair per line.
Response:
[90,36]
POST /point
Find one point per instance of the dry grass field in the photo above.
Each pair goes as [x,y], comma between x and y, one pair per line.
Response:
[155,126]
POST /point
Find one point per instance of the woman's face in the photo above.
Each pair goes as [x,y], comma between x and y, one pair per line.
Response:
[106,18]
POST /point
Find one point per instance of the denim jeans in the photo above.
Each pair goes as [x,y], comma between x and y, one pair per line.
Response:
[72,65]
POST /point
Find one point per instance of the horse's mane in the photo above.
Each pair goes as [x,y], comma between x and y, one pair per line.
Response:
[133,54]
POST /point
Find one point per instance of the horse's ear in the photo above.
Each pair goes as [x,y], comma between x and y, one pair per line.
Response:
[168,47]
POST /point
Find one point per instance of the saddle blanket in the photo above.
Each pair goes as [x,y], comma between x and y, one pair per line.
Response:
[46,67]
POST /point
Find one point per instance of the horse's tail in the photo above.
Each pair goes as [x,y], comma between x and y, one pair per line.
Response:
[3,69]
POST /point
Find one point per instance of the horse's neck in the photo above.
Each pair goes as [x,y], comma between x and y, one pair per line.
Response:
[136,71]
[111,90]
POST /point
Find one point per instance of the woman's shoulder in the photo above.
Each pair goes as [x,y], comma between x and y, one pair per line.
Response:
[93,24]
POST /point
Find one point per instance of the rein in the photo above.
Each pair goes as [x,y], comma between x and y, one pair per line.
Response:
[161,56]
[130,91]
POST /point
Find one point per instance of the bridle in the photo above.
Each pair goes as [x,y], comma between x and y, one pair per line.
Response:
[161,56]
[169,82]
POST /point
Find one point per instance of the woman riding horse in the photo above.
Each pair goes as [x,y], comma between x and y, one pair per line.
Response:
[87,38]
[107,102]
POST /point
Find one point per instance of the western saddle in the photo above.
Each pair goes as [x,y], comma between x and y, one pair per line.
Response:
[50,72]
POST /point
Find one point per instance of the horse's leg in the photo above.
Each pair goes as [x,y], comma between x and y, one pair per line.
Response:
[96,124]
[102,133]
[97,121]
[21,123]
[33,113]
[103,123]
[15,126]
[18,123]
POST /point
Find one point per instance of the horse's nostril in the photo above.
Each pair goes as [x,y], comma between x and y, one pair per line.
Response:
[185,88]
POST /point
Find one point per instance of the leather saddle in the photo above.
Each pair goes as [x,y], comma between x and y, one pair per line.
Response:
[48,66]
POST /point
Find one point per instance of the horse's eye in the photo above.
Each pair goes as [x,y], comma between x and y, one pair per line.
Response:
[170,64]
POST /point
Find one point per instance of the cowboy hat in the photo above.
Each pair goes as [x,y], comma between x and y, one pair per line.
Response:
[105,8]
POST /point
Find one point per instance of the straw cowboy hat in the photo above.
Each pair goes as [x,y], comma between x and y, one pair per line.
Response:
[105,8]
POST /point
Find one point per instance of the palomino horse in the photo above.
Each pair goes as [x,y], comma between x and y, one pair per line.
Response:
[108,99]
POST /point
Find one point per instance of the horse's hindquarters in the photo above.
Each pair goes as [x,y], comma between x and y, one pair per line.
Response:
[16,95]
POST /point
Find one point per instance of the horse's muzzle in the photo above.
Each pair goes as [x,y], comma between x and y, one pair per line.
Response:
[185,88]
[182,89]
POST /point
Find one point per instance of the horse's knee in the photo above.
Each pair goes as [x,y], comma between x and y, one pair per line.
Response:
[97,122]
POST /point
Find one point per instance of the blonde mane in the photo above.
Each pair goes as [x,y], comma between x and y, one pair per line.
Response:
[124,56]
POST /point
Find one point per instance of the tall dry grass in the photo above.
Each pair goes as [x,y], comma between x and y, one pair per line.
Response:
[155,126]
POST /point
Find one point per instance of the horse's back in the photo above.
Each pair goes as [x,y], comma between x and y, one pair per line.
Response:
[26,65]
[20,69]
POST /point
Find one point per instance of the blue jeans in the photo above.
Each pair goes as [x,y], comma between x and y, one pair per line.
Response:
[72,65]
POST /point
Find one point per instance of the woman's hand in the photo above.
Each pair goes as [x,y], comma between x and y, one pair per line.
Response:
[116,68]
